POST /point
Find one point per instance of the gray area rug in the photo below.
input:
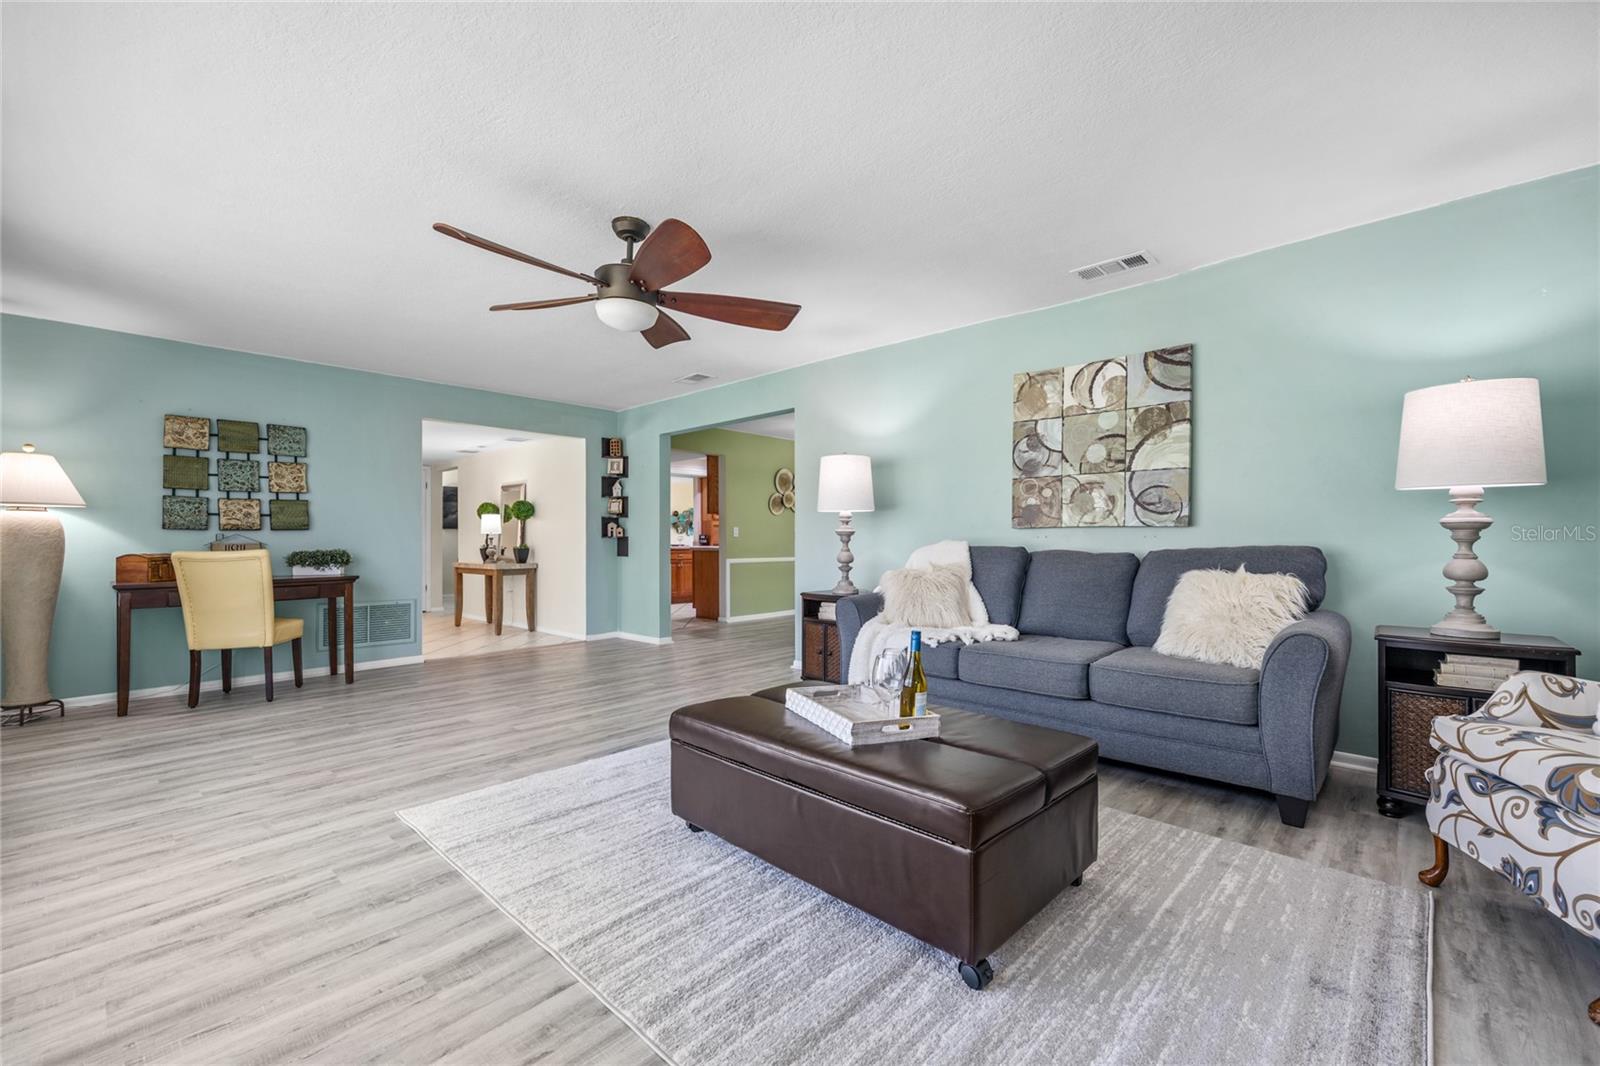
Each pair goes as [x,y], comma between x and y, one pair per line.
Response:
[1177,948]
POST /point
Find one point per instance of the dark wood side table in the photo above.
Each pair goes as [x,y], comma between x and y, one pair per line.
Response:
[819,639]
[1409,700]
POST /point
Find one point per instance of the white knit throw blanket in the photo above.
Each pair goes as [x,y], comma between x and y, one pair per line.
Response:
[877,637]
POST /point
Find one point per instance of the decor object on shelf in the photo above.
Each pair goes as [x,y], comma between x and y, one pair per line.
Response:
[520,511]
[819,638]
[844,486]
[1229,617]
[1513,788]
[313,562]
[1463,438]
[226,542]
[489,524]
[629,294]
[1105,443]
[616,468]
[1411,696]
[32,547]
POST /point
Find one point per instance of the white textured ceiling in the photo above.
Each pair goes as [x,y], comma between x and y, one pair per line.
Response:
[449,442]
[263,177]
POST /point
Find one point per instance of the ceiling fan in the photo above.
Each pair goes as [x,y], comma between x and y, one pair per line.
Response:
[630,295]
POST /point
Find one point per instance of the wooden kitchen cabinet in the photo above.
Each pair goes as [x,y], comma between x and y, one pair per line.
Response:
[682,575]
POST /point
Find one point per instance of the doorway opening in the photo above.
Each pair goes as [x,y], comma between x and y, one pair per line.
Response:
[496,578]
[730,502]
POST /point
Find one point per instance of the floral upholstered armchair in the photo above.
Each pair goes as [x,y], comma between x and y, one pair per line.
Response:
[1517,787]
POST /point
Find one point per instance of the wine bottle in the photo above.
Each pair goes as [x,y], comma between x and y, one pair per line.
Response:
[914,684]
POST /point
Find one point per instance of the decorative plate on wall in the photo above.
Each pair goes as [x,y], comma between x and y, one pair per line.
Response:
[783,480]
[775,504]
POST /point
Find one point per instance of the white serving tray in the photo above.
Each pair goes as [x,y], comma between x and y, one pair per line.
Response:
[848,716]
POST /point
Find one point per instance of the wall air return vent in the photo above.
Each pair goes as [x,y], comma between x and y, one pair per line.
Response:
[393,622]
[693,379]
[1120,264]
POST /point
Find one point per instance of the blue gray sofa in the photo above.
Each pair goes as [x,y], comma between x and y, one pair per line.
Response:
[1085,664]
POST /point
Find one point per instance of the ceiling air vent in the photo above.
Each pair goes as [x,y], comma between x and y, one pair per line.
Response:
[1114,266]
[693,379]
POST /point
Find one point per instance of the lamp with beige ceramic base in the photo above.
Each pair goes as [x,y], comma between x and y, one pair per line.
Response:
[1463,438]
[844,486]
[32,548]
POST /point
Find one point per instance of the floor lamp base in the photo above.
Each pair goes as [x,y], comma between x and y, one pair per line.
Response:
[27,712]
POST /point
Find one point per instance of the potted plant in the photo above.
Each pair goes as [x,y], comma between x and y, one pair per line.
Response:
[490,522]
[519,512]
[317,562]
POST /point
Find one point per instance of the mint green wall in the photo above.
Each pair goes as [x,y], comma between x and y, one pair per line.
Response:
[1302,356]
[749,462]
[94,399]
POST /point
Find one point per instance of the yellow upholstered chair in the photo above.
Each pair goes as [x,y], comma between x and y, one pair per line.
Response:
[227,604]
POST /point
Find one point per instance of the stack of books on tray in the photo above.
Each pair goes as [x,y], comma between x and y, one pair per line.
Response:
[851,715]
[1482,672]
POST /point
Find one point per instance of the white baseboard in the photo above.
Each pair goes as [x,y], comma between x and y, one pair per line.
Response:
[735,618]
[1363,764]
[240,681]
[617,634]
[468,617]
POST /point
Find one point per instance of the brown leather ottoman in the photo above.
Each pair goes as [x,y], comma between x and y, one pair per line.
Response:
[957,841]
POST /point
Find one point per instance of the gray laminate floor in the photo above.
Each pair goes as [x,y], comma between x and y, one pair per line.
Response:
[230,883]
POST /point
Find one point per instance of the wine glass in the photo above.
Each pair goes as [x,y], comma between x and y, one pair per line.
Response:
[888,669]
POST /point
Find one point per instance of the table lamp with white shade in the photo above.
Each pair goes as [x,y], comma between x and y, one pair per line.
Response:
[1464,438]
[844,486]
[32,547]
[489,526]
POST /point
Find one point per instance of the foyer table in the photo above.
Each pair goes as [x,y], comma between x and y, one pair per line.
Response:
[494,589]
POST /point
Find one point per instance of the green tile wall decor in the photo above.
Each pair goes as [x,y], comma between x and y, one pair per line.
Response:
[287,477]
[239,514]
[184,431]
[290,514]
[286,440]
[238,475]
[184,512]
[185,472]
[236,436]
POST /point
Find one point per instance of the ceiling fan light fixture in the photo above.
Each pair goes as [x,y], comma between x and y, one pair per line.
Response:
[630,316]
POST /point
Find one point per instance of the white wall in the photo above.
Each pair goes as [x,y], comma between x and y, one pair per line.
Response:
[553,467]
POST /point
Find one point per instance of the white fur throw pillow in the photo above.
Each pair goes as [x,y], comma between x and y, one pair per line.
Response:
[935,597]
[1230,618]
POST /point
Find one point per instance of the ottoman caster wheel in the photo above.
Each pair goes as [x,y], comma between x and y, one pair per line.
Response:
[694,828]
[977,976]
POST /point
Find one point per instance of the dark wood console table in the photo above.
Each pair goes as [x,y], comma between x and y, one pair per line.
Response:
[135,595]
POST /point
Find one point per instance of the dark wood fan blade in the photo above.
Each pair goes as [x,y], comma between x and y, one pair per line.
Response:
[671,253]
[665,332]
[510,253]
[740,310]
[534,305]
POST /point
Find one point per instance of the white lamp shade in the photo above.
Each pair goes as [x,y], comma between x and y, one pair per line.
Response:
[1472,433]
[489,524]
[33,479]
[619,312]
[844,483]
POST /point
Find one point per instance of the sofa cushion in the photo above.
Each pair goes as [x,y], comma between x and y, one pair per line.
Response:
[1159,572]
[940,660]
[1080,595]
[997,573]
[1149,681]
[1049,666]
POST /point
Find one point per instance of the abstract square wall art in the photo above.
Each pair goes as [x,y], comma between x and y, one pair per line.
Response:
[287,477]
[185,512]
[185,472]
[236,436]
[286,440]
[238,475]
[182,431]
[291,514]
[1104,443]
[239,514]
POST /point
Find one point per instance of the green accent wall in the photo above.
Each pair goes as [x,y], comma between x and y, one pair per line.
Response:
[94,399]
[1302,355]
[749,462]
